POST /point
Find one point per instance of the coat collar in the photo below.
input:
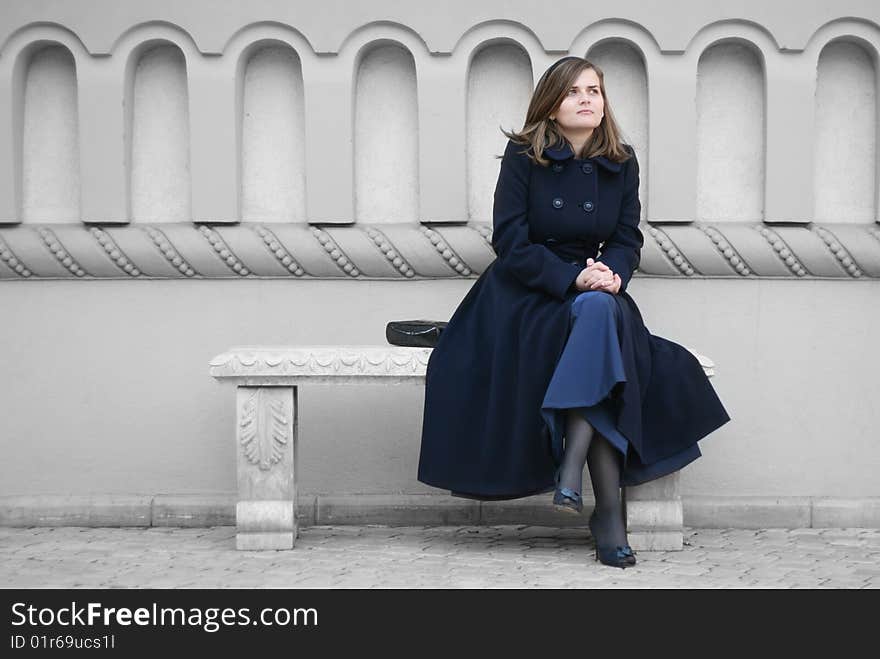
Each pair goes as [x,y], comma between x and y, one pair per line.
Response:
[565,152]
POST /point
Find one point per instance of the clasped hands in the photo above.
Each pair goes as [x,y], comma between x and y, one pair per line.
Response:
[597,277]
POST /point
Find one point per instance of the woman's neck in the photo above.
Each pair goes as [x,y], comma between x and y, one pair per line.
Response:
[578,140]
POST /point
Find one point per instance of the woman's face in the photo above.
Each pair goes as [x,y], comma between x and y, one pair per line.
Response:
[583,107]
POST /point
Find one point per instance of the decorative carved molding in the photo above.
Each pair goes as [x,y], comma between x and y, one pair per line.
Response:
[12,262]
[726,250]
[172,256]
[671,252]
[453,259]
[321,362]
[289,364]
[335,252]
[341,23]
[389,252]
[114,252]
[722,249]
[61,255]
[263,428]
[839,251]
[284,257]
[223,251]
[779,246]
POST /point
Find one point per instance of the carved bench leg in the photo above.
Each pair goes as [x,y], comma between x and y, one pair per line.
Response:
[266,438]
[654,515]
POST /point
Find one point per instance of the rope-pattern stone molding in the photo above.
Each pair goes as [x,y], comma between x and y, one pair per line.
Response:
[114,252]
[335,253]
[58,251]
[726,250]
[12,262]
[283,256]
[845,259]
[174,258]
[390,253]
[779,246]
[223,251]
[453,259]
[414,251]
[671,251]
[485,230]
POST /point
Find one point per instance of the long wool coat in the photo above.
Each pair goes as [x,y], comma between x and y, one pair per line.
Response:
[483,435]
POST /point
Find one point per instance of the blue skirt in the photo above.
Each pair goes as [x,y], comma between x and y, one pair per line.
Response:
[587,377]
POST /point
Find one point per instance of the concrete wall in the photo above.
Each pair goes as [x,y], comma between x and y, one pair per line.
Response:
[206,174]
[390,112]
[106,387]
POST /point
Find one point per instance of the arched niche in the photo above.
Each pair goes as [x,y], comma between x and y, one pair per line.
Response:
[50,137]
[159,135]
[730,133]
[845,163]
[386,135]
[272,135]
[499,85]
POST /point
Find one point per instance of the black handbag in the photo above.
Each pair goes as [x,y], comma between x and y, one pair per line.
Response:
[414,333]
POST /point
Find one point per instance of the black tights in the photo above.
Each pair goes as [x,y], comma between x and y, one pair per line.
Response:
[584,444]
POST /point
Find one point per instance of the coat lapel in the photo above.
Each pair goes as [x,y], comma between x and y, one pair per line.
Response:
[565,152]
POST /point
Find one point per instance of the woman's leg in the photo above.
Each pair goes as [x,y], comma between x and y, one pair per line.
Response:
[578,434]
[604,463]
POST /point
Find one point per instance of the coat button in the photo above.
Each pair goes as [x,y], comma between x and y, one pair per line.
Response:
[557,167]
[587,167]
[588,206]
[557,202]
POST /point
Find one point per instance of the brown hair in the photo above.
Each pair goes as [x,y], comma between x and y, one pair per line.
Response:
[540,132]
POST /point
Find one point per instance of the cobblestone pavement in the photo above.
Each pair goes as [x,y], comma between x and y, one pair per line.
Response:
[441,557]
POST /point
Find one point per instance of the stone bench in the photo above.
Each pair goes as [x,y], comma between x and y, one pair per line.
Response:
[267,435]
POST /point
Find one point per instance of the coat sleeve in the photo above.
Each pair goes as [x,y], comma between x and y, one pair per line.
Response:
[531,263]
[622,251]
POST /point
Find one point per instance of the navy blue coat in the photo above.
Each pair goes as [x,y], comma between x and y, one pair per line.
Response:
[483,435]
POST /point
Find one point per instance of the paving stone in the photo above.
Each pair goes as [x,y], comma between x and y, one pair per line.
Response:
[685,558]
[505,556]
[688,570]
[847,582]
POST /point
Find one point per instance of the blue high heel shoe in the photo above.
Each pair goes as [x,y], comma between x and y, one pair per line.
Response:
[614,555]
[566,498]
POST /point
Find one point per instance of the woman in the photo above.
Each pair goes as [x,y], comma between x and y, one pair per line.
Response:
[548,348]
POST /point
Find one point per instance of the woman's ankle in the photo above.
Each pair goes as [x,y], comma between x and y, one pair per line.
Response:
[607,522]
